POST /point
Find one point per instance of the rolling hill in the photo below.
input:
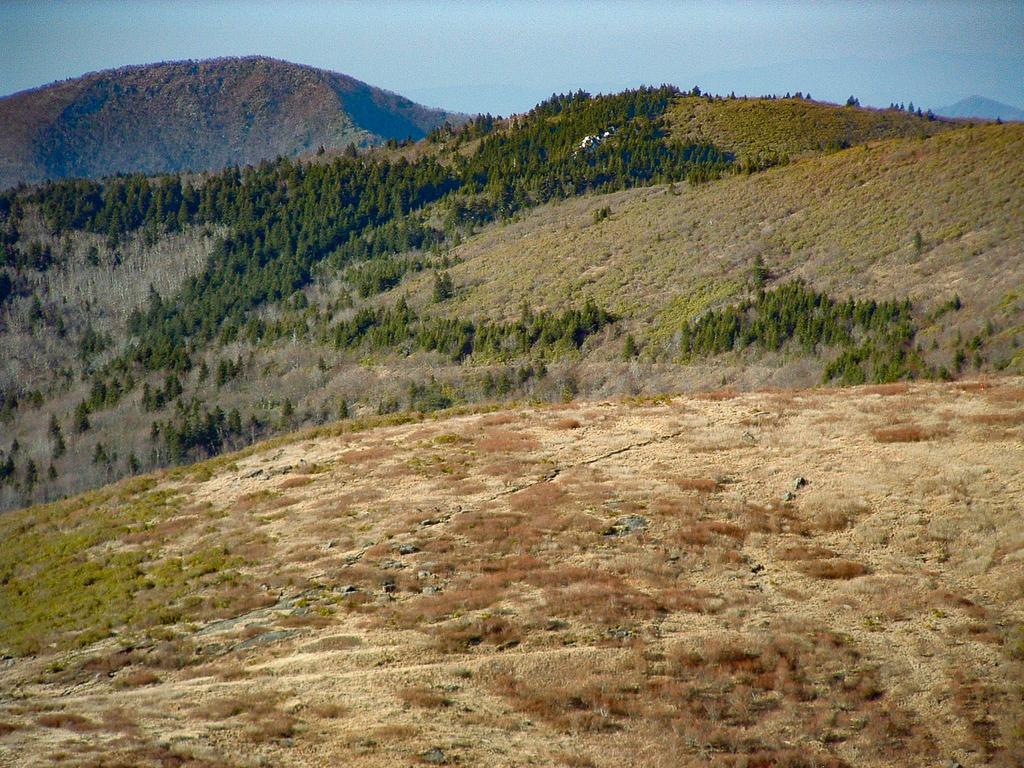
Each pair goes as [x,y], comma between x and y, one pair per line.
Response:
[195,115]
[828,577]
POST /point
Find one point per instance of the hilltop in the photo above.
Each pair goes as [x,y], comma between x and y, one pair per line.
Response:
[789,578]
[753,127]
[585,249]
[195,116]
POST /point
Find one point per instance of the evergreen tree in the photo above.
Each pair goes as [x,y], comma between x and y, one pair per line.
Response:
[80,421]
[31,475]
[444,288]
[287,412]
[629,348]
[59,446]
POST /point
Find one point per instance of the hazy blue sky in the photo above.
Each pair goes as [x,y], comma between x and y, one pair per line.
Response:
[503,57]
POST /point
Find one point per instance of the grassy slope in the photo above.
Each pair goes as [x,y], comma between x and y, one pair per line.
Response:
[844,222]
[873,619]
[748,127]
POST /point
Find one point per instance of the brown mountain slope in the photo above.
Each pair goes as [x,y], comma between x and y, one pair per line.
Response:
[194,116]
[788,578]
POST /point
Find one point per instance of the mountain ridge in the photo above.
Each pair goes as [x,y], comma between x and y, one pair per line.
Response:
[983,108]
[205,312]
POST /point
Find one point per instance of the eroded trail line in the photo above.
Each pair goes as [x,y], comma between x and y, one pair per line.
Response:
[555,472]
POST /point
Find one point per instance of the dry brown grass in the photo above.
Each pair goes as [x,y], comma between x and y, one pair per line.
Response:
[722,692]
[7,728]
[228,671]
[708,532]
[373,455]
[271,726]
[463,635]
[424,697]
[540,498]
[329,710]
[305,620]
[589,704]
[264,721]
[572,760]
[282,502]
[833,569]
[67,720]
[311,468]
[505,441]
[717,395]
[335,643]
[109,663]
[1005,395]
[697,639]
[136,679]
[886,390]
[498,419]
[699,484]
[1007,419]
[606,602]
[906,433]
[803,552]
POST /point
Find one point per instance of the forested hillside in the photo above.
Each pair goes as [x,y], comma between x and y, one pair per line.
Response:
[195,115]
[586,247]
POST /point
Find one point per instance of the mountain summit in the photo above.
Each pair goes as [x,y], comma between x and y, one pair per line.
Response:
[194,115]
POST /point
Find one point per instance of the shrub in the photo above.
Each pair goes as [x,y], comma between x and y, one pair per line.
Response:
[271,727]
[424,697]
[907,433]
[6,728]
[67,720]
[699,484]
[801,552]
[1010,419]
[136,679]
[833,569]
[463,635]
[329,710]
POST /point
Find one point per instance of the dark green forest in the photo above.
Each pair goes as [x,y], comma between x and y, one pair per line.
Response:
[874,340]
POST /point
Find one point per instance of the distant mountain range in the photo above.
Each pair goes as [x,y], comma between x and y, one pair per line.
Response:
[980,107]
[195,115]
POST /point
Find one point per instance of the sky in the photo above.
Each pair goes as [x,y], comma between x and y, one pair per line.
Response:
[503,57]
